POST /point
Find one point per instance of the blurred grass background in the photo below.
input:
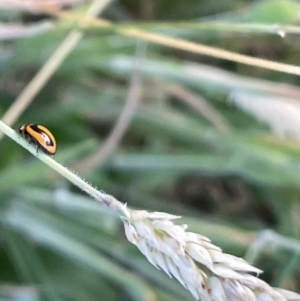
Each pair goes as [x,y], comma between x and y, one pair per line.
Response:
[212,140]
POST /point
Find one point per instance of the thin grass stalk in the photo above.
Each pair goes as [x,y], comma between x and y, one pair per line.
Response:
[200,266]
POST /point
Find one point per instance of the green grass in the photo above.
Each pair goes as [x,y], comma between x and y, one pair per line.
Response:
[56,243]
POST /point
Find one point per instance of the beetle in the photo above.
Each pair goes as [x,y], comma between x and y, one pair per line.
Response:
[40,136]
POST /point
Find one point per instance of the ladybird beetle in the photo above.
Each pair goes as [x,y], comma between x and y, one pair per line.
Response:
[40,136]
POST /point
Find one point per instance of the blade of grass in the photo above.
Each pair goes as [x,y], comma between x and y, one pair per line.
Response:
[53,63]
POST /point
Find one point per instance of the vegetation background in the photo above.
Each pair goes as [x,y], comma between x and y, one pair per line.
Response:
[213,140]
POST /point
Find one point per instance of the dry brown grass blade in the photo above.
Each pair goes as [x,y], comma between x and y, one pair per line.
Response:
[44,74]
[121,126]
[202,106]
[177,43]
